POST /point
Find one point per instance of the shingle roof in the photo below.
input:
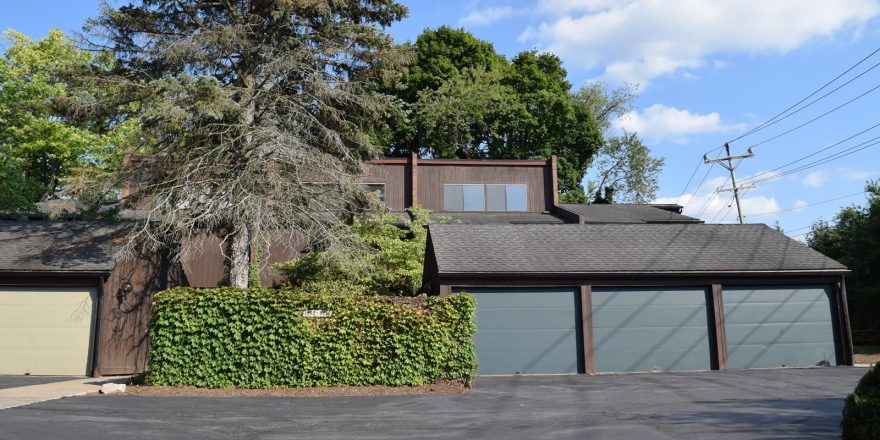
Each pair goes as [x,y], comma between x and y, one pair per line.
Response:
[621,248]
[600,213]
[60,246]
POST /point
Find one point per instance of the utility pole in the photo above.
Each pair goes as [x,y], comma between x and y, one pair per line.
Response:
[730,166]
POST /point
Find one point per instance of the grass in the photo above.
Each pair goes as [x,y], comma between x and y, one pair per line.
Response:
[866,349]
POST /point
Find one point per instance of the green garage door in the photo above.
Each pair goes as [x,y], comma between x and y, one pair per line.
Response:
[778,326]
[650,329]
[528,331]
[46,331]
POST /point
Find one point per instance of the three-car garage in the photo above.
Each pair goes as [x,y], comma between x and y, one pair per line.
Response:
[565,299]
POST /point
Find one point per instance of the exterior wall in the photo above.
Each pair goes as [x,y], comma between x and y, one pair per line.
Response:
[207,268]
[398,184]
[433,177]
[420,181]
[444,285]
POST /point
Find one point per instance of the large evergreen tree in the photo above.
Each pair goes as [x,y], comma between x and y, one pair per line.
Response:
[255,114]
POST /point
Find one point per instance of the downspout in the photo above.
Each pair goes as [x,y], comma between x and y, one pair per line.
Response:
[96,340]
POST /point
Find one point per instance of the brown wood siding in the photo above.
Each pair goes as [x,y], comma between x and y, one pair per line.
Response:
[432,178]
[397,186]
[123,345]
[207,269]
[587,329]
[720,329]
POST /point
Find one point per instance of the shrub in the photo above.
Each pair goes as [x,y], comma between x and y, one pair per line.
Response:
[861,412]
[394,256]
[259,338]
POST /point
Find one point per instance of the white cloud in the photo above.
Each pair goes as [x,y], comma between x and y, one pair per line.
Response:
[815,179]
[720,208]
[659,122]
[637,40]
[482,17]
[853,174]
[799,205]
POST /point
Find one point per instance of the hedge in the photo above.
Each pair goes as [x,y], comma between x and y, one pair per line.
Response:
[260,338]
[861,412]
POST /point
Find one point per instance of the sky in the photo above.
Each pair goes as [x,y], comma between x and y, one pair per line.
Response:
[707,72]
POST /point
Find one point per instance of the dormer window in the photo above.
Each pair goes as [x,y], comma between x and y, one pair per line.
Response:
[488,197]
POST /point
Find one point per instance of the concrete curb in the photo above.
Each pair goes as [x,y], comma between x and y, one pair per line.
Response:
[26,395]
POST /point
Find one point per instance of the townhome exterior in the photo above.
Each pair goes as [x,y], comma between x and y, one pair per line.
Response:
[561,288]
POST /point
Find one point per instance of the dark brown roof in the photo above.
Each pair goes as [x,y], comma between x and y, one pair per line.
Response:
[621,248]
[60,246]
[600,213]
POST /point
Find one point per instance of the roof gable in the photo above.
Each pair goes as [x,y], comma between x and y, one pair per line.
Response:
[60,246]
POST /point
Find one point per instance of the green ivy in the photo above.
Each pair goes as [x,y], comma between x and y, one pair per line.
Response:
[259,338]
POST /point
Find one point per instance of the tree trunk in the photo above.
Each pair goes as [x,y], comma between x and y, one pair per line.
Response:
[239,269]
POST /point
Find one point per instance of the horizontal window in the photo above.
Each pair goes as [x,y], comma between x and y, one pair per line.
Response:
[378,189]
[479,197]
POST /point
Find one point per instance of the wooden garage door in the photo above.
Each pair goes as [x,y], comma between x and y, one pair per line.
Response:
[650,329]
[528,331]
[775,326]
[46,331]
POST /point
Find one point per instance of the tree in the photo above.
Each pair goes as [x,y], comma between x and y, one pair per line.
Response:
[853,239]
[392,265]
[623,165]
[464,100]
[255,115]
[39,144]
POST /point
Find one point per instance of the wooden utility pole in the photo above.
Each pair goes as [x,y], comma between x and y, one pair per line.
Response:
[727,163]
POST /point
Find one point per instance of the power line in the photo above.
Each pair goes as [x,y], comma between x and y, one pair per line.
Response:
[817,117]
[757,176]
[729,205]
[823,96]
[686,185]
[766,123]
[808,204]
[700,185]
[711,199]
[852,150]
[730,166]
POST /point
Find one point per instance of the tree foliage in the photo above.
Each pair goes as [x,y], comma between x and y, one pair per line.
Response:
[464,100]
[255,115]
[393,262]
[853,238]
[623,165]
[42,149]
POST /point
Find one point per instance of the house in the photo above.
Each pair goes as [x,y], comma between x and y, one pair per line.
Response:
[68,306]
[560,288]
[606,297]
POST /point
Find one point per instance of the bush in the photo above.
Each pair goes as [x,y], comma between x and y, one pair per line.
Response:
[861,413]
[259,338]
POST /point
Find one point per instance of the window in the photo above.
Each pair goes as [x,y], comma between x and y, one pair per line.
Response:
[378,189]
[479,197]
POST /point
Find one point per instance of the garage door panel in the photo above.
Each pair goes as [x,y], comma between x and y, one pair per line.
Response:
[46,331]
[772,326]
[527,330]
[643,329]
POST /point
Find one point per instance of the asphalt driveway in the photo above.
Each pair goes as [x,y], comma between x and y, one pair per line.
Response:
[777,404]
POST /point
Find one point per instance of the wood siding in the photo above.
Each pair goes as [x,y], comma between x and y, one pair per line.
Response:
[207,268]
[432,178]
[398,187]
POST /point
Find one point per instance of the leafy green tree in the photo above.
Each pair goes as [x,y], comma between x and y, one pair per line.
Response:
[853,239]
[392,264]
[255,115]
[37,138]
[464,100]
[623,165]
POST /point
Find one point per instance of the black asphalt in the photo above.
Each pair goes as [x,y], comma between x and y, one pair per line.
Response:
[23,381]
[757,404]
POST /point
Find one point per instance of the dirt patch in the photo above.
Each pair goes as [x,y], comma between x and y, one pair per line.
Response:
[377,390]
[866,358]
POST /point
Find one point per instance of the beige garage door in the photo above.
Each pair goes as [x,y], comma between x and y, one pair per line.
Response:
[46,331]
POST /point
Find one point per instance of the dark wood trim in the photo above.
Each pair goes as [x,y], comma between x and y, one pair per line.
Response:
[49,279]
[587,328]
[843,342]
[95,362]
[471,162]
[646,280]
[555,182]
[414,179]
[720,327]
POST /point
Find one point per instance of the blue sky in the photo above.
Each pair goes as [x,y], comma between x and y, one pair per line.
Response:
[707,72]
